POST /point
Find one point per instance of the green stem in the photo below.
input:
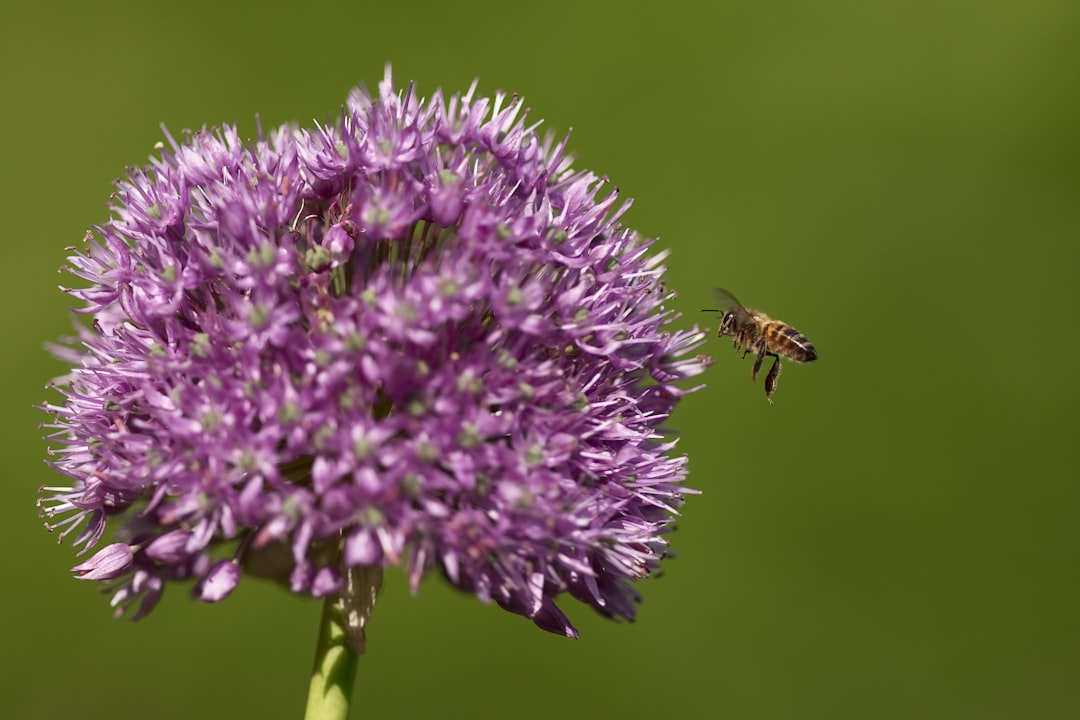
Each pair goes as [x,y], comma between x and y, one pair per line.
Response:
[335,667]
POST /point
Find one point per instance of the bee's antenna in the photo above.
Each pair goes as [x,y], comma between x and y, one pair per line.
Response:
[709,310]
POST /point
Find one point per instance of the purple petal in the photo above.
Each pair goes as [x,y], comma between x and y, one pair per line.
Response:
[110,562]
[219,582]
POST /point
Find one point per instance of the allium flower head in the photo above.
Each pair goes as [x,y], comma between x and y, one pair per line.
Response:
[415,337]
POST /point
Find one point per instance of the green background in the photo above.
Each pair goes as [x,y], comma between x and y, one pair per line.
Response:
[898,537]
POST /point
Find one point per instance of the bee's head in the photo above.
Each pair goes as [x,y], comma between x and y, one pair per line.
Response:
[729,323]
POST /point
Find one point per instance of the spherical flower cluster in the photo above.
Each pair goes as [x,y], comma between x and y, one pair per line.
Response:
[415,336]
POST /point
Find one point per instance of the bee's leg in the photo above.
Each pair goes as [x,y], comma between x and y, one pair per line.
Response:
[760,357]
[772,378]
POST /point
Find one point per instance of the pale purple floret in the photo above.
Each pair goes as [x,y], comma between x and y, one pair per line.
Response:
[415,336]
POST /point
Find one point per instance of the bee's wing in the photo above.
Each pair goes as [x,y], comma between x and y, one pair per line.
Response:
[727,300]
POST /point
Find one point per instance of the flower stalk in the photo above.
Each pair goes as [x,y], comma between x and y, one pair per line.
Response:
[334,672]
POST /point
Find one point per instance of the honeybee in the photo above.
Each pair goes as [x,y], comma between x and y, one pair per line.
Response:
[754,331]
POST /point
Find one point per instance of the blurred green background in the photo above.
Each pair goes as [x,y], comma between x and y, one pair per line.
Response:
[897,537]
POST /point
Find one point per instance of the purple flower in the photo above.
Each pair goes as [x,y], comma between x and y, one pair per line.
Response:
[414,337]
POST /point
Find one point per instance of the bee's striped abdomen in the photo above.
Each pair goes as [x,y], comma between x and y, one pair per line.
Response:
[788,342]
